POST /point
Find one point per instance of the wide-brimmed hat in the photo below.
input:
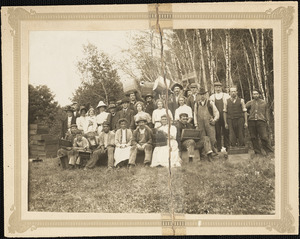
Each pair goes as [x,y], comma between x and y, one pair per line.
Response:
[74,102]
[82,108]
[90,109]
[257,90]
[131,92]
[141,118]
[217,83]
[125,100]
[69,108]
[122,120]
[176,84]
[101,104]
[73,125]
[193,85]
[148,95]
[202,91]
[111,106]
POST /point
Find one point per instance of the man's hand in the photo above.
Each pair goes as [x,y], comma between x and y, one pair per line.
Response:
[212,122]
[245,125]
[226,126]
[139,146]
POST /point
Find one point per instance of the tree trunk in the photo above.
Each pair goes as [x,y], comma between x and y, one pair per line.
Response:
[264,65]
[209,57]
[202,60]
[257,63]
[250,68]
[228,59]
[189,50]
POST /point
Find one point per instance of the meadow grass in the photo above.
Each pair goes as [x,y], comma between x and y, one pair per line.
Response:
[201,187]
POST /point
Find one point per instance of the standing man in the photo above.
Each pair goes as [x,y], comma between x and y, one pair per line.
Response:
[149,105]
[75,107]
[258,122]
[192,98]
[219,99]
[68,121]
[132,101]
[106,148]
[235,118]
[113,119]
[126,113]
[176,88]
[142,139]
[206,115]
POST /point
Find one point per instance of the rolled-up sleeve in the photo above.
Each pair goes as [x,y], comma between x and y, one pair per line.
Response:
[215,111]
[243,105]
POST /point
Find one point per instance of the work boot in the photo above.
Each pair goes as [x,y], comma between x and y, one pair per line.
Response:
[209,157]
[190,159]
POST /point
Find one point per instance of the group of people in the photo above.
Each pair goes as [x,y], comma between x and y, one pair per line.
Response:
[155,127]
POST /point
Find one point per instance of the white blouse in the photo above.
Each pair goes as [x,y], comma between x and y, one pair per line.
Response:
[183,109]
[157,114]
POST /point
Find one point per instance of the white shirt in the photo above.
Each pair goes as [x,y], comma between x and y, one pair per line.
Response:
[173,130]
[101,117]
[82,123]
[183,109]
[156,116]
[123,136]
[69,121]
[218,96]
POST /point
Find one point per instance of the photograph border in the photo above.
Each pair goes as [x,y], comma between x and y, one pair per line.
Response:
[286,222]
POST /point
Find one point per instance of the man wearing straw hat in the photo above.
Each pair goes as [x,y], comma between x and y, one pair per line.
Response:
[142,139]
[219,99]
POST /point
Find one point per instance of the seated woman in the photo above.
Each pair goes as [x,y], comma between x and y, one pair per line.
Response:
[80,144]
[91,121]
[123,139]
[102,117]
[161,153]
[156,115]
[140,107]
[183,108]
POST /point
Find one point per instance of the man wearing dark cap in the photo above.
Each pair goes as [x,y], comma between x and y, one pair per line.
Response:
[258,121]
[206,115]
[192,98]
[105,149]
[149,104]
[235,118]
[176,88]
[68,121]
[126,113]
[219,98]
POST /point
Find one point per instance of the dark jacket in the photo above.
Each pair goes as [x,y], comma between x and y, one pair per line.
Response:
[128,115]
[180,126]
[64,125]
[114,121]
[149,108]
[136,136]
[191,102]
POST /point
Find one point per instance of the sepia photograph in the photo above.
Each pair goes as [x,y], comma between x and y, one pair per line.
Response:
[101,128]
[158,119]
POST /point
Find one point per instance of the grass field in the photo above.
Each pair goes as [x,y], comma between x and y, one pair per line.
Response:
[202,187]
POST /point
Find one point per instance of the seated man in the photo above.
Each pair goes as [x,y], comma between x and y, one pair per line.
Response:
[106,148]
[142,141]
[80,144]
[63,152]
[203,145]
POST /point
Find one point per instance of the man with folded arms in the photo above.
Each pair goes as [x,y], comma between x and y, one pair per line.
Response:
[141,140]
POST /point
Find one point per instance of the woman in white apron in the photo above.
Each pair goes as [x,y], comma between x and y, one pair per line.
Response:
[123,139]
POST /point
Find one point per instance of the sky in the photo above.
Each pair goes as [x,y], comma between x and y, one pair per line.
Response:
[53,56]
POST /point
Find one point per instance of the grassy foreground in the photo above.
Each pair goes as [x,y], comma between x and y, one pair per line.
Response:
[218,187]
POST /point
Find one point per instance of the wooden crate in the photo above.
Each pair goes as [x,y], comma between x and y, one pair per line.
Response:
[238,150]
[191,134]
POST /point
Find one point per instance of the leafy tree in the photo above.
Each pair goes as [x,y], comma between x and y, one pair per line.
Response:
[99,80]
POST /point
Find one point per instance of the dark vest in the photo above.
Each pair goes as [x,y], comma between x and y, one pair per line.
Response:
[234,110]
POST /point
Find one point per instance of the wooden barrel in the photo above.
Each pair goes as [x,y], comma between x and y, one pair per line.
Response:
[130,86]
[159,84]
[146,88]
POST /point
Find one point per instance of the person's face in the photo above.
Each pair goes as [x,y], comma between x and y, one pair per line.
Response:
[181,101]
[73,129]
[83,112]
[194,90]
[218,89]
[141,124]
[255,95]
[101,109]
[69,113]
[125,105]
[189,92]
[159,105]
[79,137]
[123,125]
[163,96]
[112,110]
[139,107]
[92,112]
[148,99]
[176,90]
[106,128]
[132,97]
[164,120]
[75,106]
[184,119]
[233,92]
[203,97]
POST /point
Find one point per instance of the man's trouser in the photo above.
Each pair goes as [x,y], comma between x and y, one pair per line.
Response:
[63,156]
[98,154]
[236,130]
[189,145]
[147,148]
[204,145]
[221,130]
[258,129]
